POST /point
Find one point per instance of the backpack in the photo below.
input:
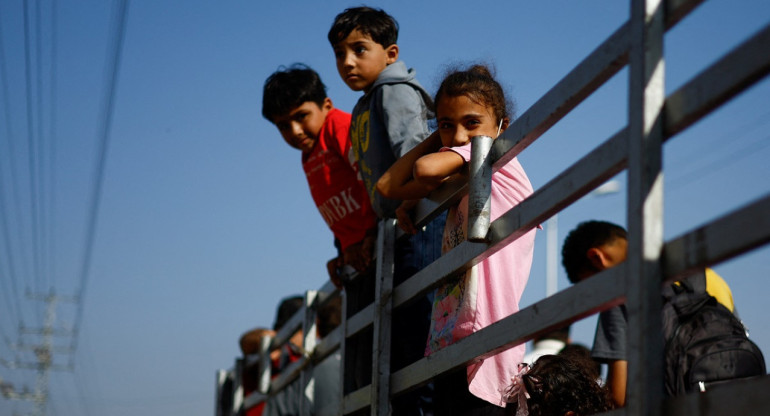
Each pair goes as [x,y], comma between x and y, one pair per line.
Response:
[705,343]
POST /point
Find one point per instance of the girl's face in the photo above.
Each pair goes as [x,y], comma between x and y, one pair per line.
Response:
[460,118]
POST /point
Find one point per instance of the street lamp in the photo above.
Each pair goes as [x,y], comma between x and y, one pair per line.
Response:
[552,236]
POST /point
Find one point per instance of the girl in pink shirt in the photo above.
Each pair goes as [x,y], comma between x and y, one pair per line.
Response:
[468,103]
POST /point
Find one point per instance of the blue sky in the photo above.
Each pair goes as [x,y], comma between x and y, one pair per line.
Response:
[205,220]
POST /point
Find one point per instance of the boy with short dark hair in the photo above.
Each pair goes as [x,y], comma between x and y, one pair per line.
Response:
[598,245]
[294,99]
[586,245]
[391,117]
[388,121]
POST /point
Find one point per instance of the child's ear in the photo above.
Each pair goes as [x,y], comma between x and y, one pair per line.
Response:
[392,54]
[597,258]
[506,122]
[327,104]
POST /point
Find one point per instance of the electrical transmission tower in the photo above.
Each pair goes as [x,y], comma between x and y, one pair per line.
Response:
[44,355]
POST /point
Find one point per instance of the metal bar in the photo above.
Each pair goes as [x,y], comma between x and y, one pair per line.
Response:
[676,10]
[237,387]
[253,399]
[740,68]
[578,180]
[289,374]
[343,329]
[480,189]
[718,240]
[309,334]
[360,321]
[326,346]
[601,65]
[600,292]
[644,392]
[590,74]
[461,258]
[288,330]
[383,295]
[447,195]
[357,400]
[265,367]
[221,376]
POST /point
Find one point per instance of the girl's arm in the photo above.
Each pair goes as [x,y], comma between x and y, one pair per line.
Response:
[398,181]
[433,169]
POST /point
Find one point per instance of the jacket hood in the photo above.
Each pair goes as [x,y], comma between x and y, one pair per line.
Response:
[397,73]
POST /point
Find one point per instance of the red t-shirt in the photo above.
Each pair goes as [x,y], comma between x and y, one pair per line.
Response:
[336,187]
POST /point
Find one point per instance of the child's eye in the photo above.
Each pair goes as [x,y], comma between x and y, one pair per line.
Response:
[445,125]
[359,50]
[473,122]
[338,54]
[300,116]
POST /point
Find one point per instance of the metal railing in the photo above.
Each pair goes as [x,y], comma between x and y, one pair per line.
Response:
[654,118]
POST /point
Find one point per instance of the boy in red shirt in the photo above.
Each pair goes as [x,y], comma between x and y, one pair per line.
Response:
[294,99]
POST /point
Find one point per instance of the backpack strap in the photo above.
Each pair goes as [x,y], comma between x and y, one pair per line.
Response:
[694,283]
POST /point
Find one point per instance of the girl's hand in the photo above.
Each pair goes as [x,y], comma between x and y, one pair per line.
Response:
[404,217]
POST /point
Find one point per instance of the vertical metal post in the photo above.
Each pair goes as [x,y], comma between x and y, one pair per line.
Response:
[645,208]
[222,377]
[343,350]
[265,366]
[237,388]
[383,304]
[480,188]
[307,390]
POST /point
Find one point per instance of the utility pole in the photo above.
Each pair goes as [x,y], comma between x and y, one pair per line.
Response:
[44,352]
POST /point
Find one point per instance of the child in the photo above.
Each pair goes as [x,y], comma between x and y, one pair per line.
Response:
[469,103]
[388,120]
[295,100]
[592,247]
[557,385]
[391,117]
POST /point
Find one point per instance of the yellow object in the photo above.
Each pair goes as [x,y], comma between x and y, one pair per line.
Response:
[718,288]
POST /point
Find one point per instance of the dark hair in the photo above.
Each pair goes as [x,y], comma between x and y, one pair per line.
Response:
[580,353]
[287,88]
[557,384]
[587,235]
[375,23]
[288,307]
[478,84]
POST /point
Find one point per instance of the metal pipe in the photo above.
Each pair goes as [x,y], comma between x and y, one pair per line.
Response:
[480,189]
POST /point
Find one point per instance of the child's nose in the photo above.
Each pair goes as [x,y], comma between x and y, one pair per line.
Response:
[459,136]
[296,129]
[347,61]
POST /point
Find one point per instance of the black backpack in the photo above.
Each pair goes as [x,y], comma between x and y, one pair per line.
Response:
[706,344]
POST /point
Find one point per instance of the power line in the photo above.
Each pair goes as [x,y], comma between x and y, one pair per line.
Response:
[721,163]
[13,166]
[31,146]
[52,142]
[726,140]
[40,145]
[114,50]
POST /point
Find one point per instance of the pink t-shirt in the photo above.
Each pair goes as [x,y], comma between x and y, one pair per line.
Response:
[488,291]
